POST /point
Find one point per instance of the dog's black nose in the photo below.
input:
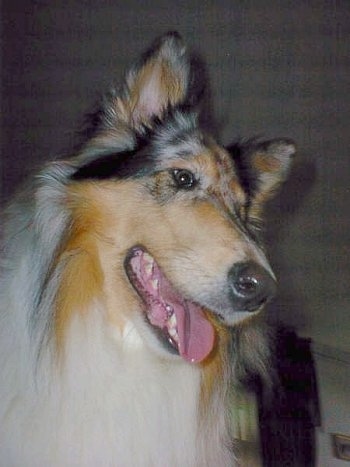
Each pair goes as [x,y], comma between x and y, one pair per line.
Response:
[251,286]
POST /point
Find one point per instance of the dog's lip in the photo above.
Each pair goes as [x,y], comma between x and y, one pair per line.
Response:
[179,323]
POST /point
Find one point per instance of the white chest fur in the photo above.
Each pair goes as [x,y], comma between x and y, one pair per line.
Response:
[111,404]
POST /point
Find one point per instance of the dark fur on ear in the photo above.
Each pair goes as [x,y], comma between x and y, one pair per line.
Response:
[262,166]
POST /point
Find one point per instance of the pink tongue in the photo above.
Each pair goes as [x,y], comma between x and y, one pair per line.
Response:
[196,333]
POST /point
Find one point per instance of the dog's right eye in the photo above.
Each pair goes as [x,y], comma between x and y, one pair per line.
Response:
[184,179]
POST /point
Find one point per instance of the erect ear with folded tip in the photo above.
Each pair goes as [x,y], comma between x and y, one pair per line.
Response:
[262,167]
[158,82]
[165,78]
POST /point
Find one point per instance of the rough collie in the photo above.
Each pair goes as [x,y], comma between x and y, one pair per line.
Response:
[126,273]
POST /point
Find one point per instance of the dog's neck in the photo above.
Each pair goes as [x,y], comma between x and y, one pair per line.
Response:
[110,399]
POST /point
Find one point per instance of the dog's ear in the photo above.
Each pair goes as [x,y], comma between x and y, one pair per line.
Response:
[164,78]
[262,167]
[159,81]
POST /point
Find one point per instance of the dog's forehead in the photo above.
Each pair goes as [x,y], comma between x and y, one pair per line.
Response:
[180,137]
[181,141]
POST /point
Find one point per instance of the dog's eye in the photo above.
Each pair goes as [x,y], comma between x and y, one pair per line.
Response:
[184,179]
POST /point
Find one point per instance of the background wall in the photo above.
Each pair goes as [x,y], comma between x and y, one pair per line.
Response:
[333,370]
[277,68]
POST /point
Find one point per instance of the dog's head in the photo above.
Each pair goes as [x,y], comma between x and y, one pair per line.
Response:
[163,218]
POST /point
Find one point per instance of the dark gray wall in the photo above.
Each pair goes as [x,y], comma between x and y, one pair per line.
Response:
[277,68]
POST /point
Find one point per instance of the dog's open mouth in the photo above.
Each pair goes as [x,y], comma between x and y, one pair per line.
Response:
[178,321]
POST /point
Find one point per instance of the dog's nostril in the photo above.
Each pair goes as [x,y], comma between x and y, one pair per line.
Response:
[251,286]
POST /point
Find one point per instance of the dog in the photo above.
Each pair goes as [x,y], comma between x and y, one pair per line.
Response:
[129,272]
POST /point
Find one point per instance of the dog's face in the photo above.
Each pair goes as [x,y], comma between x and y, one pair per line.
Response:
[165,218]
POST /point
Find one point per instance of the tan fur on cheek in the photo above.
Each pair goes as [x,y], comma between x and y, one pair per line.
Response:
[197,225]
[81,283]
[81,280]
[108,219]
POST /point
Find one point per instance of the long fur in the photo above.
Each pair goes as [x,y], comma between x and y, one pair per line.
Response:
[84,381]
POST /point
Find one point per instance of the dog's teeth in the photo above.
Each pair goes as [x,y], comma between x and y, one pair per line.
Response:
[147,258]
[149,263]
[149,268]
[173,334]
[172,321]
[155,284]
[170,310]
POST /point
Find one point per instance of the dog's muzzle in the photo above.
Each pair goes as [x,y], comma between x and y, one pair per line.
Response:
[250,286]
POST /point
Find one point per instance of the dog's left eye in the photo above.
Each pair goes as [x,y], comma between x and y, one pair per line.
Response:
[184,179]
